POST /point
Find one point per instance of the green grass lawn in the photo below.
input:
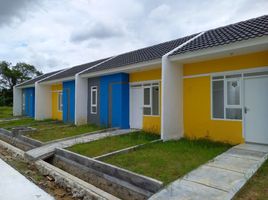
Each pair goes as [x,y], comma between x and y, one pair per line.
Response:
[167,161]
[23,122]
[59,132]
[5,112]
[257,187]
[110,144]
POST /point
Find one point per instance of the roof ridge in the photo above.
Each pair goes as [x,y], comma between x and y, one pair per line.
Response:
[235,23]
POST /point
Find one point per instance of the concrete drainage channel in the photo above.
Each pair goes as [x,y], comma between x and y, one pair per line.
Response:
[16,138]
[114,180]
[88,178]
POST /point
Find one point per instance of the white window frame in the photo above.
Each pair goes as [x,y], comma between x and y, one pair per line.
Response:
[92,90]
[226,106]
[151,85]
[60,102]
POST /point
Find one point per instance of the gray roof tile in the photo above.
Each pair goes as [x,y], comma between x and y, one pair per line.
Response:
[252,28]
[38,78]
[140,55]
[74,70]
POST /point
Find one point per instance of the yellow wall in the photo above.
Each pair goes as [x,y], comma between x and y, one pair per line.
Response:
[259,59]
[197,101]
[55,113]
[197,118]
[150,123]
[154,74]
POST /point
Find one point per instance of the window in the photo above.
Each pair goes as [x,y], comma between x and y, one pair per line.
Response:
[60,105]
[226,97]
[94,99]
[151,99]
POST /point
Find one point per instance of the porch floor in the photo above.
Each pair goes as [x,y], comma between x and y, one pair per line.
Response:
[220,178]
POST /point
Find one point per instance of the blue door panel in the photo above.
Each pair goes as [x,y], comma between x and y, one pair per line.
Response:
[29,95]
[68,98]
[114,100]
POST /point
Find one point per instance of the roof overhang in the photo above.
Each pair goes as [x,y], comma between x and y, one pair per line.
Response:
[143,66]
[237,48]
[25,86]
[57,81]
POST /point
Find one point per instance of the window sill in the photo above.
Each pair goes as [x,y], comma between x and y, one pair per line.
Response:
[236,120]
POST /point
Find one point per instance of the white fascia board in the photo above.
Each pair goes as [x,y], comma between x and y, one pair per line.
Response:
[94,66]
[18,85]
[57,80]
[127,68]
[241,47]
[25,86]
[53,75]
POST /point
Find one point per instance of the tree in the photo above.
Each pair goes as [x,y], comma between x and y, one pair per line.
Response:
[12,75]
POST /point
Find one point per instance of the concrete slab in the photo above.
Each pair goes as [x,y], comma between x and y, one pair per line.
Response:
[253,147]
[241,165]
[217,178]
[246,154]
[15,186]
[220,178]
[186,190]
[48,149]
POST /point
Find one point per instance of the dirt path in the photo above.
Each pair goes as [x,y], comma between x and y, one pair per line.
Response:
[30,172]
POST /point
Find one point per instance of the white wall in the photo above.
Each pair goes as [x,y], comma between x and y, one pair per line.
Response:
[81,95]
[172,100]
[43,102]
[17,101]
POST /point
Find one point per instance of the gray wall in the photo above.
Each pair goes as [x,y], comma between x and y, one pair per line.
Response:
[93,118]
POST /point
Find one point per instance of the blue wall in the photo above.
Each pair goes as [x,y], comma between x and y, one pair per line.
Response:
[68,101]
[114,90]
[29,101]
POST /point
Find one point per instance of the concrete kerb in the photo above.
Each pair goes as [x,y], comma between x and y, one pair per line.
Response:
[79,188]
[126,150]
[30,143]
[79,136]
[48,149]
[147,183]
[114,180]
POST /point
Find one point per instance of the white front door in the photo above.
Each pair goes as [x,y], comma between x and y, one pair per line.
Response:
[256,110]
[136,98]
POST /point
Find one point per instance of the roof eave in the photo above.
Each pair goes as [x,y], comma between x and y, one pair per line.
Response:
[69,78]
[127,68]
[236,48]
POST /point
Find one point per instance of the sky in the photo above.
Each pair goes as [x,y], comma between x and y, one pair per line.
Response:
[52,34]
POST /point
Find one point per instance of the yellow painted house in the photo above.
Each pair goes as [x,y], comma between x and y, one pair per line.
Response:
[204,80]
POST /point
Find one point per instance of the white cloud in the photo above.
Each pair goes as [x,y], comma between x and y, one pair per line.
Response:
[57,34]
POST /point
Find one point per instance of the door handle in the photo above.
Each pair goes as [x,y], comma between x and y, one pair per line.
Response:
[246,109]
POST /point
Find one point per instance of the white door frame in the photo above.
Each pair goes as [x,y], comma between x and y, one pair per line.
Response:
[244,92]
[131,101]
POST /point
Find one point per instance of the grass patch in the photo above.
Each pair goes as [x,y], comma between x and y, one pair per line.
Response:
[23,122]
[113,143]
[5,112]
[60,132]
[167,161]
[257,187]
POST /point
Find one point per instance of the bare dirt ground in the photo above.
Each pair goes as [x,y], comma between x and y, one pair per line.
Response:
[27,169]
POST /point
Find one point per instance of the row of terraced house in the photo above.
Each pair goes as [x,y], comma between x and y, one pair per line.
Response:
[213,84]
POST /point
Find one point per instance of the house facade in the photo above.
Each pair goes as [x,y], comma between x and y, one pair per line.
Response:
[208,85]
